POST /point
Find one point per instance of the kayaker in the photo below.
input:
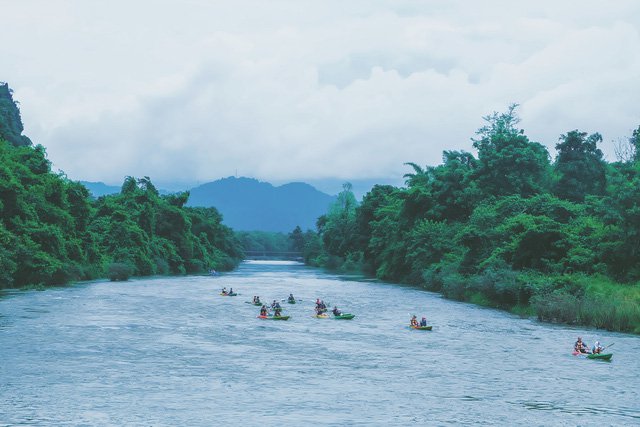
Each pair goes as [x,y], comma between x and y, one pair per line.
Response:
[291,298]
[597,348]
[414,320]
[580,346]
[423,322]
[277,312]
[257,301]
[263,310]
[224,291]
[230,291]
[318,311]
[335,311]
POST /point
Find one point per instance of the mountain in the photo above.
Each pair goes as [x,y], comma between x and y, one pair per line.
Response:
[248,204]
[98,189]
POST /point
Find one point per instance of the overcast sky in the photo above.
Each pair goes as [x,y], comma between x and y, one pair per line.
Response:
[194,90]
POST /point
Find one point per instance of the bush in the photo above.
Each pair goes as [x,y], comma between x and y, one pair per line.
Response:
[556,307]
[353,263]
[453,286]
[119,271]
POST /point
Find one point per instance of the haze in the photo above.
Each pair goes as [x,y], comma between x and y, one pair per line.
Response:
[191,91]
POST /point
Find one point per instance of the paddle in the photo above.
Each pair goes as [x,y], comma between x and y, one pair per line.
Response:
[608,345]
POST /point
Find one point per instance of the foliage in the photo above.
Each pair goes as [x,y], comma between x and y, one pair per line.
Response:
[10,122]
[580,166]
[507,229]
[52,232]
[119,271]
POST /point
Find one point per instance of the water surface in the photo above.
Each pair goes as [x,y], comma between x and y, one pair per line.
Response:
[172,351]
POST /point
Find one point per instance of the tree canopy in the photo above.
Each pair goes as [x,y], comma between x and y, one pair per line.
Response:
[508,228]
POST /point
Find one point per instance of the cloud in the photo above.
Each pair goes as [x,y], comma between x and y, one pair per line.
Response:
[293,90]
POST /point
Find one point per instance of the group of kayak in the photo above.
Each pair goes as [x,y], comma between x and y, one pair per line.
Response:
[580,348]
[321,310]
[273,311]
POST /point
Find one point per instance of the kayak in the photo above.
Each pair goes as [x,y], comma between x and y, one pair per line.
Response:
[228,295]
[291,301]
[600,356]
[274,317]
[597,356]
[421,328]
[346,316]
[321,316]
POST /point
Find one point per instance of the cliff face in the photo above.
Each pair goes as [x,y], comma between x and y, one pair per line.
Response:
[10,122]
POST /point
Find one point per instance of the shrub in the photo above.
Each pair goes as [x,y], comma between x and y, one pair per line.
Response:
[119,271]
[557,307]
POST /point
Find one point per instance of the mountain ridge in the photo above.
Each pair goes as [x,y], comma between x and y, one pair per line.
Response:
[248,204]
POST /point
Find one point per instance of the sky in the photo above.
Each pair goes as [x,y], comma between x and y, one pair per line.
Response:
[191,91]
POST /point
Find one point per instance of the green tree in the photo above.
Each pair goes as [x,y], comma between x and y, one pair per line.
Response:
[580,166]
[296,237]
[10,122]
[508,163]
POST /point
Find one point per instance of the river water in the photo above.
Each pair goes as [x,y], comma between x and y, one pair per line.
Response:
[172,351]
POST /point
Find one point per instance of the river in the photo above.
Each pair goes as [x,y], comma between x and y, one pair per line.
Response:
[173,352]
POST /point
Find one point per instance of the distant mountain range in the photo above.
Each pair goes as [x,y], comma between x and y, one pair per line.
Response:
[98,189]
[248,204]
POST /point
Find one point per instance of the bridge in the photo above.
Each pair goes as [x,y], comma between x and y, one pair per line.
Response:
[273,255]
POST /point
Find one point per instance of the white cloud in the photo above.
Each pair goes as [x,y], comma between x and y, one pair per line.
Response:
[295,90]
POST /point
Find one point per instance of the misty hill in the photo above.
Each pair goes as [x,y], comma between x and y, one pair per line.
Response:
[98,189]
[248,204]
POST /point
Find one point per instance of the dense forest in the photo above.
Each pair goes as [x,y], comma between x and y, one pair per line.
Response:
[52,232]
[507,228]
[273,242]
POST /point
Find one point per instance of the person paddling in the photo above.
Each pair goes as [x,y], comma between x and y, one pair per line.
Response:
[335,311]
[580,346]
[291,298]
[277,312]
[224,291]
[414,321]
[597,348]
[423,322]
[320,306]
[263,311]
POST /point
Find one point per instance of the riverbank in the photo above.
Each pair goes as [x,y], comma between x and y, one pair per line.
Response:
[572,299]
